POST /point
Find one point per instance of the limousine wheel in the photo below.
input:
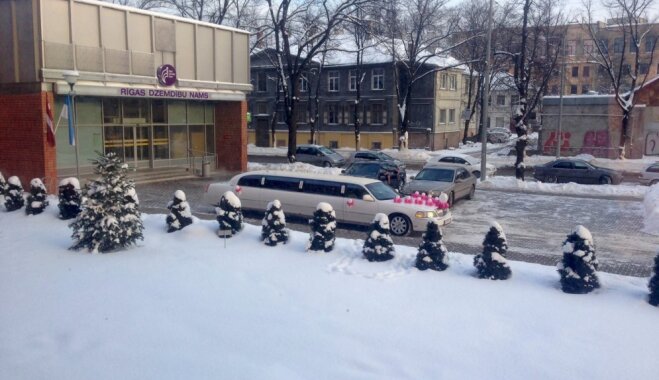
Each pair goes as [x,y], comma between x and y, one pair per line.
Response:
[399,224]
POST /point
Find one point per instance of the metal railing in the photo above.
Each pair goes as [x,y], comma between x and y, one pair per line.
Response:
[200,161]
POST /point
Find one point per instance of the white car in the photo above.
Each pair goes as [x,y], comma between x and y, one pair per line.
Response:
[355,200]
[473,164]
[650,175]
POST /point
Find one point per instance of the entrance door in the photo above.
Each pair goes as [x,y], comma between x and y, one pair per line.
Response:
[262,132]
[137,145]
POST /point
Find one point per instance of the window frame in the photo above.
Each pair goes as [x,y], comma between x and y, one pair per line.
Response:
[377,77]
[333,78]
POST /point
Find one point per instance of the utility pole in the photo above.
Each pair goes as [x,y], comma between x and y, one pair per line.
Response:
[560,102]
[486,94]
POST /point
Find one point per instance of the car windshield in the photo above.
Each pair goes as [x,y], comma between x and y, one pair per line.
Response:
[363,170]
[435,174]
[381,191]
[326,151]
[384,156]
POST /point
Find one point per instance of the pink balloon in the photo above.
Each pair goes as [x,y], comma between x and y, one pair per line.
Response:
[408,200]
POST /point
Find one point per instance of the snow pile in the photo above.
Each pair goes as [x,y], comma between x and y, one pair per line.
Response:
[511,183]
[171,306]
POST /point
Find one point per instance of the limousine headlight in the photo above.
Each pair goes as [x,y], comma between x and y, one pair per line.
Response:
[425,214]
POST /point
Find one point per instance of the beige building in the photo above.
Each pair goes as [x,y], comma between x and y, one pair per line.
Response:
[153,88]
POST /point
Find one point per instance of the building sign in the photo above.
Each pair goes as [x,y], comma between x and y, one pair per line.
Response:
[160,93]
[166,75]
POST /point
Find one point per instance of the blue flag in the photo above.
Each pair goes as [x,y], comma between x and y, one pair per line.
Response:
[72,135]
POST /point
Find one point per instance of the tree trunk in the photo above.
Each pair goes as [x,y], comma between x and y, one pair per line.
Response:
[466,131]
[623,134]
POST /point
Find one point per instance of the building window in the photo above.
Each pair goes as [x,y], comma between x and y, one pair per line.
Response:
[333,81]
[332,113]
[642,68]
[618,45]
[304,83]
[261,108]
[573,89]
[571,47]
[442,116]
[575,71]
[588,47]
[352,80]
[585,88]
[261,82]
[649,43]
[376,113]
[377,79]
[453,82]
[281,118]
[586,71]
[451,115]
[376,145]
[443,81]
[333,144]
[501,100]
[604,46]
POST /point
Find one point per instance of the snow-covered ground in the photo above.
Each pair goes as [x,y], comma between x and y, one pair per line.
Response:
[512,183]
[182,305]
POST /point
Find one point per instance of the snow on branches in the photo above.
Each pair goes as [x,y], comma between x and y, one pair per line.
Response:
[492,263]
[70,198]
[179,212]
[379,246]
[432,252]
[273,230]
[36,201]
[14,194]
[579,265]
[229,215]
[323,228]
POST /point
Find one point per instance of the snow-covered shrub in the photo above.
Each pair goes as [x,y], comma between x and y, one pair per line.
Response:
[492,263]
[229,215]
[654,284]
[323,228]
[70,198]
[110,218]
[577,269]
[3,185]
[179,212]
[273,225]
[36,201]
[379,246]
[432,252]
[14,194]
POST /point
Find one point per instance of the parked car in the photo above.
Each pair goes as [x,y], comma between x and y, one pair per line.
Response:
[650,175]
[355,200]
[497,137]
[473,163]
[453,179]
[566,170]
[319,155]
[384,171]
[374,155]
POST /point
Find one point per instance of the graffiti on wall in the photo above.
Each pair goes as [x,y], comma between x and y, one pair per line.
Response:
[652,144]
[594,142]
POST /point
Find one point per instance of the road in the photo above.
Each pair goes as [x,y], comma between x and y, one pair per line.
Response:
[535,225]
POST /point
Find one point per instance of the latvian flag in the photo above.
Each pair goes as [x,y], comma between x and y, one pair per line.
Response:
[50,132]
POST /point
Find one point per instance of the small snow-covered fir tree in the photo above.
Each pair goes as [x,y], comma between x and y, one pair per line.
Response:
[3,185]
[179,212]
[379,246]
[273,225]
[654,284]
[70,198]
[492,263]
[323,228]
[579,265]
[110,218]
[14,194]
[37,201]
[229,215]
[432,252]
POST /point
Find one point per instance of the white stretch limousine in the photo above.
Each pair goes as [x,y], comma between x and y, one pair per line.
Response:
[355,200]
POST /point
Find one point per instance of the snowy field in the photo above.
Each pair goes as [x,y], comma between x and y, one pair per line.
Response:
[182,306]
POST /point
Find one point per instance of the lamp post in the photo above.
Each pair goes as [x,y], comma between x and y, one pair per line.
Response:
[71,77]
[486,94]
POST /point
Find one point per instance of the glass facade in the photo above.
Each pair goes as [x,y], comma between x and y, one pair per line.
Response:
[143,132]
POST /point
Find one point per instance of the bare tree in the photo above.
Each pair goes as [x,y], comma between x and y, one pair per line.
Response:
[299,31]
[142,4]
[236,13]
[626,73]
[533,54]
[418,34]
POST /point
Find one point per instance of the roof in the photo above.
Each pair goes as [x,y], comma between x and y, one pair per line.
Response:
[322,177]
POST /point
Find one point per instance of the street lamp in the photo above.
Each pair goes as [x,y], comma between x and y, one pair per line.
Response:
[71,77]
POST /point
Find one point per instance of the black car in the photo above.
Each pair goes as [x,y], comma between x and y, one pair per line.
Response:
[386,172]
[574,170]
[374,155]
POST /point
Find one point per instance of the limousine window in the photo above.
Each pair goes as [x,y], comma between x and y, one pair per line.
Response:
[312,186]
[282,183]
[381,191]
[354,191]
[250,180]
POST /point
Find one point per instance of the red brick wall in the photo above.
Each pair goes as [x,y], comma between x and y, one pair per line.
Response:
[24,150]
[231,136]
